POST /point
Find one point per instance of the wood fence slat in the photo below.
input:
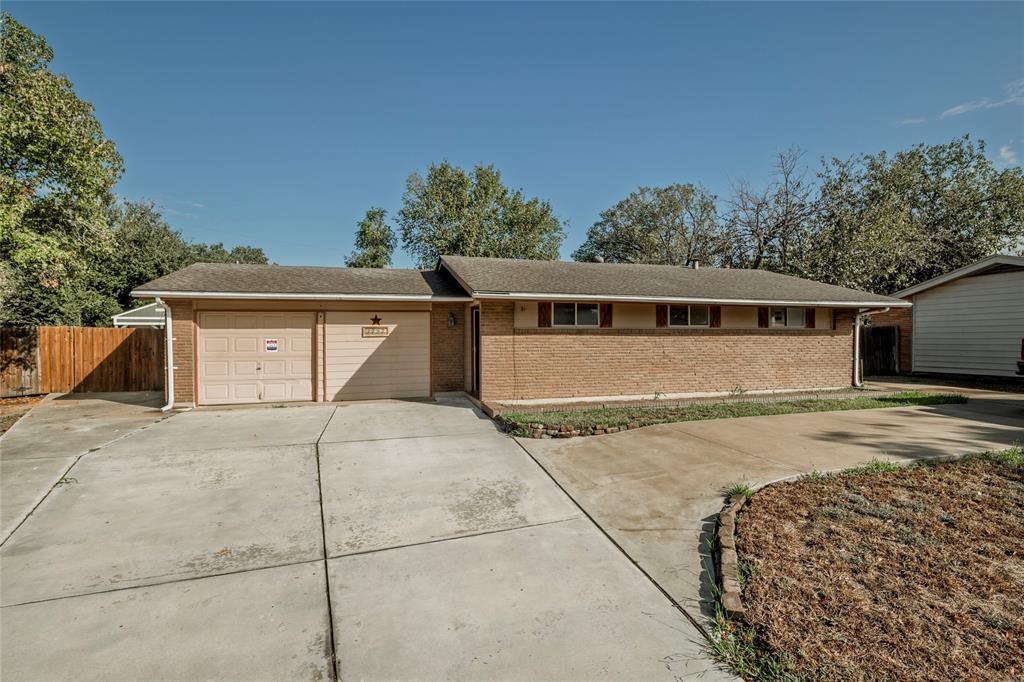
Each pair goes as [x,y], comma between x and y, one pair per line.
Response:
[80,359]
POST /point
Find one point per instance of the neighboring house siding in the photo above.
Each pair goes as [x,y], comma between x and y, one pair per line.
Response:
[447,347]
[972,325]
[902,318]
[536,363]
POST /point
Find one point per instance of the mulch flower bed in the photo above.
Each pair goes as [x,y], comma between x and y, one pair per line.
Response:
[915,573]
[12,409]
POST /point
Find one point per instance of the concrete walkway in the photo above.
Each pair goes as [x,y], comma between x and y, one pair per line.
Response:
[377,540]
[657,490]
[42,445]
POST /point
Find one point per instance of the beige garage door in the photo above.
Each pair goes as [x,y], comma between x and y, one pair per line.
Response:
[362,364]
[255,357]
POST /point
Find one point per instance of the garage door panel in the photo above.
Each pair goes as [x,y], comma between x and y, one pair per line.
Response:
[394,366]
[236,367]
[244,344]
[215,368]
[215,344]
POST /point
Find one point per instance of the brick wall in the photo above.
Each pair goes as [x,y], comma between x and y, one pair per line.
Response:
[447,347]
[183,331]
[904,319]
[556,363]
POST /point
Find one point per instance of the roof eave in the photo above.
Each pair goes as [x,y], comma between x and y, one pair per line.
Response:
[294,296]
[540,296]
[998,259]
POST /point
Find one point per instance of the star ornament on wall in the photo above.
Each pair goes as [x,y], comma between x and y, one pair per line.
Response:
[375,319]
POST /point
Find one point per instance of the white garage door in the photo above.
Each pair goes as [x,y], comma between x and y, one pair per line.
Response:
[364,362]
[255,357]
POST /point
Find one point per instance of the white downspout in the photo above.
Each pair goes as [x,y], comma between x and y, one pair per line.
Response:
[168,355]
[861,314]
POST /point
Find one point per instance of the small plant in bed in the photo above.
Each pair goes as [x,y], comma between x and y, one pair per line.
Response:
[586,421]
[884,572]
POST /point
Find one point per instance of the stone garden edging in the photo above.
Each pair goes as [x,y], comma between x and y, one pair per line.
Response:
[728,560]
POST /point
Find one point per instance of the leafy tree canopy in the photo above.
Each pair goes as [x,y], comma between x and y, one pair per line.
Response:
[884,223]
[375,242]
[454,212]
[57,169]
[877,222]
[664,225]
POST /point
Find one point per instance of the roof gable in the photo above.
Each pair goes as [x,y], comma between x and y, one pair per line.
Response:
[992,264]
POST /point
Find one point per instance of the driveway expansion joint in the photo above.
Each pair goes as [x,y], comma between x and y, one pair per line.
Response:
[450,538]
[333,650]
[679,607]
[172,581]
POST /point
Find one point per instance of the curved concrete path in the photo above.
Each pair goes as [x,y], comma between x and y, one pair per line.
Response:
[381,540]
[658,490]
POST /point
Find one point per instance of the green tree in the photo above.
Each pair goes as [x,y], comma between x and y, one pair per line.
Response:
[664,225]
[57,170]
[884,222]
[375,242]
[454,212]
[217,253]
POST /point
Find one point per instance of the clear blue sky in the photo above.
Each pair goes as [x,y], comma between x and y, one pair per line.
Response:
[278,125]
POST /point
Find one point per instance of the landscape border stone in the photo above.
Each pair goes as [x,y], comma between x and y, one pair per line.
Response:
[728,559]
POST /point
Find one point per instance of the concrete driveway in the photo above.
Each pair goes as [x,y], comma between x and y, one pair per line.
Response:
[46,442]
[383,540]
[657,490]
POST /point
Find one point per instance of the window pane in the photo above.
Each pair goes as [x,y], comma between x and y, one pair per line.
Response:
[586,314]
[795,317]
[698,315]
[565,313]
[678,316]
[778,317]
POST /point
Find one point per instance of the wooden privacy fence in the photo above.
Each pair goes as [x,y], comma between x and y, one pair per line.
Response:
[80,360]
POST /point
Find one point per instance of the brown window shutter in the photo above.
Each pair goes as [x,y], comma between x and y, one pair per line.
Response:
[606,315]
[809,318]
[715,316]
[661,316]
[762,317]
[544,314]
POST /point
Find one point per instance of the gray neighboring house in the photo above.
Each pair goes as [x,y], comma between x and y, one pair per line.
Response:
[968,321]
[149,315]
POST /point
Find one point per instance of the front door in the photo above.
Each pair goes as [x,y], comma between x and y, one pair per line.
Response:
[476,351]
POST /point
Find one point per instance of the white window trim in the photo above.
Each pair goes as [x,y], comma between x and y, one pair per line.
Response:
[689,317]
[576,316]
[785,324]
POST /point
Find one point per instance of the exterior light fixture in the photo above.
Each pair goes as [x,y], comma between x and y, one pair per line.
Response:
[451,319]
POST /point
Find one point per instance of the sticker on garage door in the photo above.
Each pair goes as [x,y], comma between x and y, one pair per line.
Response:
[270,345]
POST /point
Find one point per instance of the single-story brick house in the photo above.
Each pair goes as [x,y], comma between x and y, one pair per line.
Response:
[968,321]
[503,330]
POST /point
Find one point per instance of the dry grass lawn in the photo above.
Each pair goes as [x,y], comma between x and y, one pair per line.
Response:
[886,573]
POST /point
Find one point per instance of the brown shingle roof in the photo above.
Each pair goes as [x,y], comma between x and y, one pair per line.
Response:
[504,277]
[282,280]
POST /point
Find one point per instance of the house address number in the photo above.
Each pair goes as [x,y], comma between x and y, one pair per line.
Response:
[369,332]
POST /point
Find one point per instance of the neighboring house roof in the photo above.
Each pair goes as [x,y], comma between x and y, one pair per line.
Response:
[986,266]
[143,316]
[499,277]
[226,280]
